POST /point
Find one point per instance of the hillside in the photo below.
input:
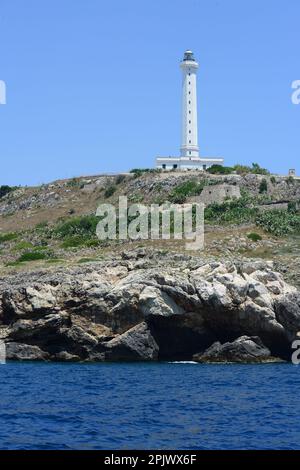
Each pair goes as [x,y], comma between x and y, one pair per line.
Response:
[54,224]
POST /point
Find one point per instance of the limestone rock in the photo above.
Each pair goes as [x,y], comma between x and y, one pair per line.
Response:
[162,306]
[25,352]
[243,349]
[137,344]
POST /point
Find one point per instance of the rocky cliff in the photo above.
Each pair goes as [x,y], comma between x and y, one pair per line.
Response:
[148,306]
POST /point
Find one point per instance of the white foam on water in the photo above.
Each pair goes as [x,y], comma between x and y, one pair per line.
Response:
[182,362]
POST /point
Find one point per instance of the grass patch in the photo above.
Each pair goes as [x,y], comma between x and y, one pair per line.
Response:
[40,247]
[42,226]
[23,245]
[54,261]
[80,241]
[13,263]
[87,260]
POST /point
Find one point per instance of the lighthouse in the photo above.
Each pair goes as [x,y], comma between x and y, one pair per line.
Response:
[189,158]
[189,142]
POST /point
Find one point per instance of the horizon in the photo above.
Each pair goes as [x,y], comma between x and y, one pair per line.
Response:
[84,97]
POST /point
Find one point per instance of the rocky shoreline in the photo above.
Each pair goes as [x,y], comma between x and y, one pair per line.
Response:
[150,306]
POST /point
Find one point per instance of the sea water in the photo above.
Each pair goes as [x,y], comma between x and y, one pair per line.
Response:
[149,406]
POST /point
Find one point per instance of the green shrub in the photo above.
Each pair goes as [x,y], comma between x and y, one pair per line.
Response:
[41,226]
[110,190]
[254,169]
[279,222]
[187,189]
[263,187]
[273,180]
[84,226]
[136,198]
[4,189]
[220,170]
[74,183]
[140,171]
[77,231]
[32,256]
[234,212]
[7,237]
[255,237]
[292,207]
[120,179]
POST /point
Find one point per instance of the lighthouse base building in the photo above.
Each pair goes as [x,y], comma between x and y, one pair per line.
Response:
[189,151]
[185,163]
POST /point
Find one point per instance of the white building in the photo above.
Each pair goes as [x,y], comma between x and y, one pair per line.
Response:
[189,151]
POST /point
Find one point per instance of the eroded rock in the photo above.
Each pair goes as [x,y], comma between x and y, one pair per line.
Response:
[168,307]
[244,349]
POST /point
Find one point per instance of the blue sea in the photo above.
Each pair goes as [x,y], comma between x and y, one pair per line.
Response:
[149,406]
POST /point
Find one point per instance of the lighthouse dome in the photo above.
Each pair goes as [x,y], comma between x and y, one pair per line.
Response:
[188,55]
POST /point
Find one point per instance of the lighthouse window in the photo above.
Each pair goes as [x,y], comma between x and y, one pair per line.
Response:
[189,102]
[189,122]
[189,132]
[189,112]
[190,141]
[189,83]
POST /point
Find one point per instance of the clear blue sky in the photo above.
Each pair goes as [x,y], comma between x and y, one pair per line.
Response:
[95,85]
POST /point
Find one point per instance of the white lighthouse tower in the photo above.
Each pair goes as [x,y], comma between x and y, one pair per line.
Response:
[189,151]
[189,142]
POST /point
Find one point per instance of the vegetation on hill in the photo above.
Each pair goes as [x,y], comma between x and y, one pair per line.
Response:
[77,232]
[263,187]
[255,169]
[187,189]
[244,210]
[4,189]
[279,222]
[234,212]
[140,171]
[70,230]
[7,237]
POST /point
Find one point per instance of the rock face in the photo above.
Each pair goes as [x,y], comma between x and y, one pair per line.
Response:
[25,352]
[243,349]
[136,344]
[146,306]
